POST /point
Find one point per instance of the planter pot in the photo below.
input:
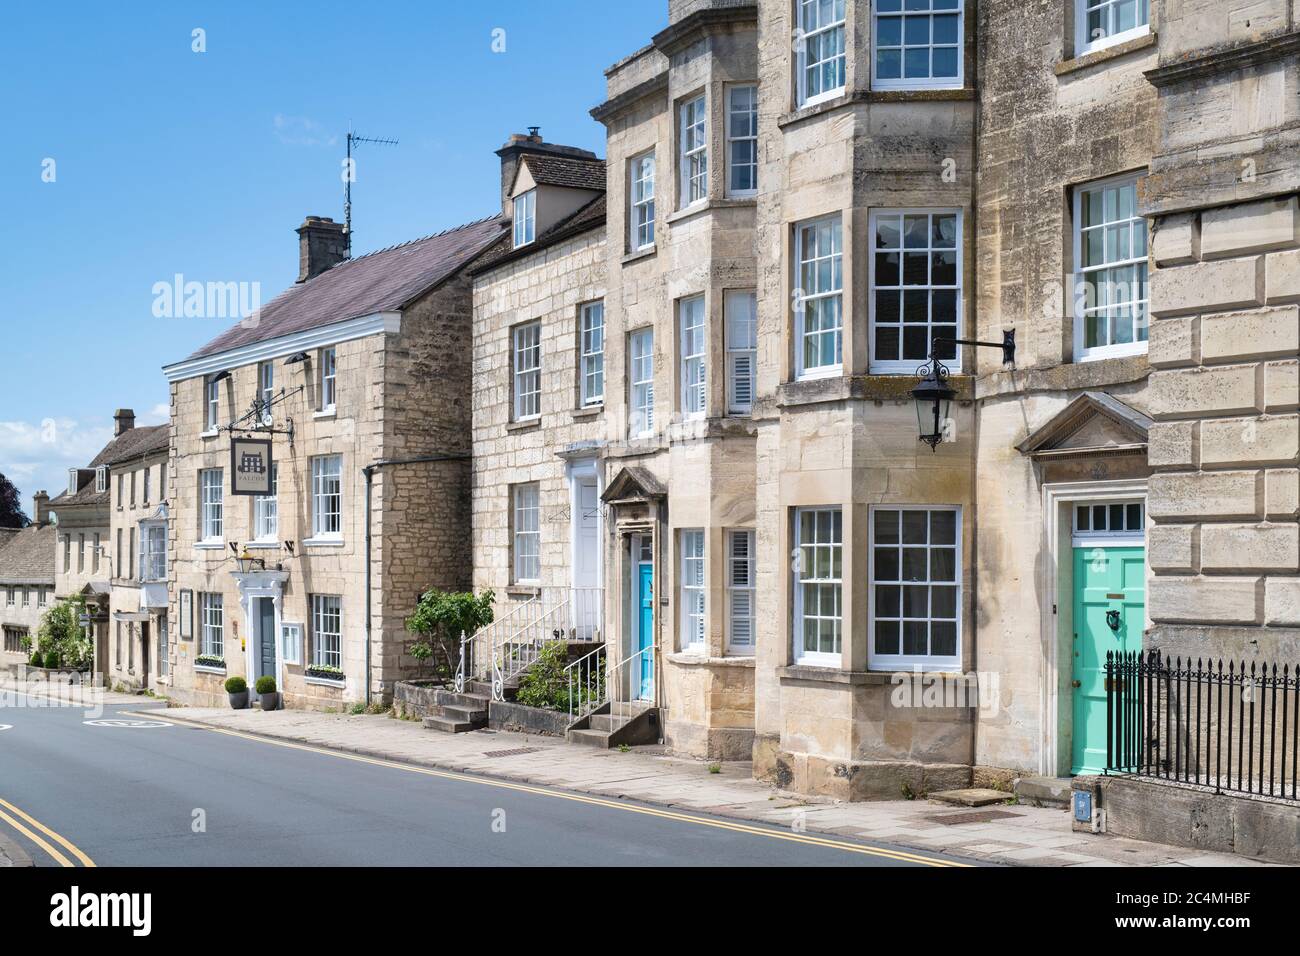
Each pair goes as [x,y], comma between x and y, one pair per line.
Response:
[271,701]
[238,701]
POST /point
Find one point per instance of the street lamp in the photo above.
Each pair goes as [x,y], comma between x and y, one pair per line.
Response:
[933,395]
[247,562]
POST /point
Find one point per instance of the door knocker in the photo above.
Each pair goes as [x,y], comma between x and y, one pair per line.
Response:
[1112,620]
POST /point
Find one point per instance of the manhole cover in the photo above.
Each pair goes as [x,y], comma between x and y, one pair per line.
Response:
[511,753]
[975,816]
[124,722]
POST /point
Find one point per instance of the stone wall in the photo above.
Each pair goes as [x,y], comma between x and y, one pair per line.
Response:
[125,661]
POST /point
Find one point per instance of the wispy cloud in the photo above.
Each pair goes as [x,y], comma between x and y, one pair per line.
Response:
[302,131]
[37,456]
[160,414]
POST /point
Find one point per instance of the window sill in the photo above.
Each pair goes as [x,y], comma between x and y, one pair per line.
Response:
[527,425]
[690,658]
[263,545]
[524,590]
[324,682]
[325,414]
[322,542]
[206,436]
[1107,53]
[637,255]
[587,412]
[210,546]
[205,669]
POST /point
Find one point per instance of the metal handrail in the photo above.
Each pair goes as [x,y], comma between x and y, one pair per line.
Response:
[476,665]
[588,679]
[621,683]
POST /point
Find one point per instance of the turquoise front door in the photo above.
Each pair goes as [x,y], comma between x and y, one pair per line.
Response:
[645,629]
[1109,613]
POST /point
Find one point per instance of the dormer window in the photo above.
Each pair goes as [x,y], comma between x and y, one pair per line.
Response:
[525,218]
[73,480]
[101,479]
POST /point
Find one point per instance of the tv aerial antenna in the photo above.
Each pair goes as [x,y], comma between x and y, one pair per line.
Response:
[350,173]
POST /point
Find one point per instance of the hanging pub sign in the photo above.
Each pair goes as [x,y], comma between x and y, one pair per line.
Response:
[250,466]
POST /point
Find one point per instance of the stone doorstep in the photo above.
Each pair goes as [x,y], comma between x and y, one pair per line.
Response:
[1044,791]
[969,797]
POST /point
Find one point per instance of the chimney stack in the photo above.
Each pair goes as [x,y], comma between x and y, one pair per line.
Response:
[123,421]
[40,508]
[322,244]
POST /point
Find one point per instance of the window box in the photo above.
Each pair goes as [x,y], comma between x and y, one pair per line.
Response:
[323,674]
[210,664]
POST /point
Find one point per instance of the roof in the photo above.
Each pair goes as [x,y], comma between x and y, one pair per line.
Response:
[382,281]
[588,217]
[27,555]
[131,444]
[568,171]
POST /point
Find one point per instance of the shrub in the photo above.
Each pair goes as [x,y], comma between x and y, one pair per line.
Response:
[236,685]
[52,659]
[265,684]
[61,633]
[546,684]
[37,660]
[439,620]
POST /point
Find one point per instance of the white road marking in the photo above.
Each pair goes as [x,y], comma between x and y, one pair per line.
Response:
[123,722]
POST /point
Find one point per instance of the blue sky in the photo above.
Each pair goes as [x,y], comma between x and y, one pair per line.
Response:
[170,161]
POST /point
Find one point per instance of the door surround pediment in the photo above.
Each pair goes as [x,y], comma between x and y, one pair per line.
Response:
[1093,424]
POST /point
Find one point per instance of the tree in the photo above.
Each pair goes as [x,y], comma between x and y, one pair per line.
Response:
[11,512]
[61,633]
[439,620]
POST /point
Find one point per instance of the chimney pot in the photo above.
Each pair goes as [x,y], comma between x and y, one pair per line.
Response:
[123,421]
[322,244]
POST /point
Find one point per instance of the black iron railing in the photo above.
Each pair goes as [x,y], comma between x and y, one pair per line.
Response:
[1229,726]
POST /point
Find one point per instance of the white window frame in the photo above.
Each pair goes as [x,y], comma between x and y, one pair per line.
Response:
[1131,532]
[153,552]
[929,662]
[591,349]
[740,332]
[212,627]
[324,607]
[291,642]
[1083,43]
[746,112]
[907,366]
[329,379]
[525,218]
[213,415]
[147,485]
[526,362]
[818,658]
[808,36]
[211,506]
[266,389]
[1137,263]
[526,532]
[266,512]
[327,498]
[900,13]
[641,198]
[741,592]
[101,479]
[693,346]
[641,383]
[693,132]
[693,591]
[803,231]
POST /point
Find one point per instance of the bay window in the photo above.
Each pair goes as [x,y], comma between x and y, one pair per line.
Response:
[821,50]
[693,621]
[818,586]
[1103,23]
[693,344]
[740,592]
[742,140]
[915,288]
[741,331]
[917,44]
[695,151]
[915,587]
[819,294]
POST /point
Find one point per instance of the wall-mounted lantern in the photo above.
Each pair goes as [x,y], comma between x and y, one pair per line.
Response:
[933,395]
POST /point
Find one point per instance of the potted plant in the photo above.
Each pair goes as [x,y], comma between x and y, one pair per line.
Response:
[266,690]
[237,689]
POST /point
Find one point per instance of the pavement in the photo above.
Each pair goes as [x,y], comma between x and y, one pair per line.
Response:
[1012,835]
[115,780]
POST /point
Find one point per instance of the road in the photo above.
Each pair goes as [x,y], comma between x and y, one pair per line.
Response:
[77,793]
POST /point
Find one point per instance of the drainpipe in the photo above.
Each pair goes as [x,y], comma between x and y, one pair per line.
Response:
[369,473]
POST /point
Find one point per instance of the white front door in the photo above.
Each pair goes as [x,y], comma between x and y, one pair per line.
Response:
[586,558]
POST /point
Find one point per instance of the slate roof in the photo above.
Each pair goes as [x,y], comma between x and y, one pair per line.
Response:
[590,216]
[569,171]
[131,444]
[27,555]
[382,281]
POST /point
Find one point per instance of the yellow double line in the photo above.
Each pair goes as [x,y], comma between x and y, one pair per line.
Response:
[803,838]
[38,840]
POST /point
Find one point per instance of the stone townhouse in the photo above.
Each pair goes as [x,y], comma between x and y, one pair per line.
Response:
[811,207]
[138,655]
[27,573]
[359,378]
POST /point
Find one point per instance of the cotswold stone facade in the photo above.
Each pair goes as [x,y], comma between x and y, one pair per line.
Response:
[884,181]
[363,372]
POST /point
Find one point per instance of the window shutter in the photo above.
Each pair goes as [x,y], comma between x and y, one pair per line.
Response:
[742,380]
